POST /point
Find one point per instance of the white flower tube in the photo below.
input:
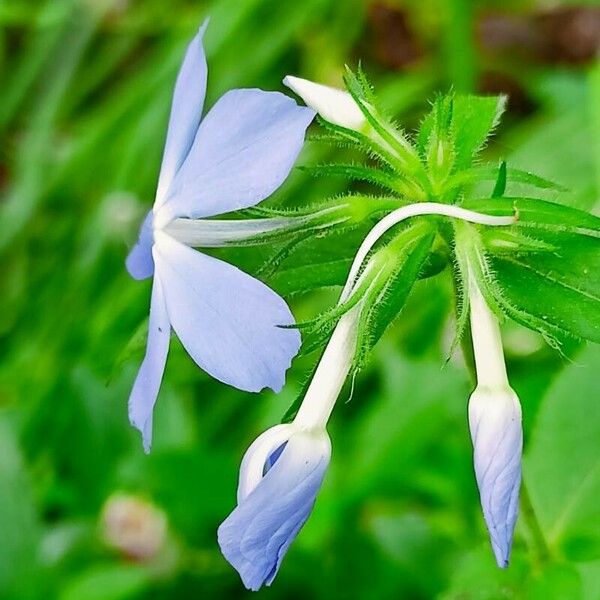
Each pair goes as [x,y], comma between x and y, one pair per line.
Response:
[334,105]
[331,373]
[496,431]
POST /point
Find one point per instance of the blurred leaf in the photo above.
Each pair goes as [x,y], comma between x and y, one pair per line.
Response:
[107,582]
[559,582]
[590,579]
[19,526]
[556,144]
[476,577]
[562,462]
[418,402]
[134,347]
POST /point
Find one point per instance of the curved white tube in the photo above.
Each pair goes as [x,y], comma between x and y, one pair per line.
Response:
[414,210]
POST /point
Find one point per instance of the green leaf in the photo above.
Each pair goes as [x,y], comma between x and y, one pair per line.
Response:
[476,577]
[404,155]
[317,258]
[510,239]
[359,141]
[520,176]
[436,138]
[556,581]
[562,462]
[556,289]
[318,262]
[561,289]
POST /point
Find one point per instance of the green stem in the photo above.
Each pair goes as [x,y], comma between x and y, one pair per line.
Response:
[542,553]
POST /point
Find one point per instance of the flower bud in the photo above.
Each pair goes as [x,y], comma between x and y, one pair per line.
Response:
[495,425]
[333,105]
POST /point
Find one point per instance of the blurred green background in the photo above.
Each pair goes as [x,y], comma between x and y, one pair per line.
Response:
[85,88]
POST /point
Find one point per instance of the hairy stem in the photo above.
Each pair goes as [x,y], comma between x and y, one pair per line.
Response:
[413,210]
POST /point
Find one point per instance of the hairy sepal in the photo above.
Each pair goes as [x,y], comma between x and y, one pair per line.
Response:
[406,255]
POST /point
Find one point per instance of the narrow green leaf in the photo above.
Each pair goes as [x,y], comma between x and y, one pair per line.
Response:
[19,526]
[510,240]
[379,177]
[539,215]
[500,185]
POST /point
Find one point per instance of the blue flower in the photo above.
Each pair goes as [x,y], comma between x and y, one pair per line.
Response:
[233,158]
[283,469]
[280,477]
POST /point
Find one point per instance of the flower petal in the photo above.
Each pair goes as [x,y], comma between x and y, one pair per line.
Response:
[257,534]
[147,383]
[244,150]
[139,262]
[226,320]
[258,457]
[186,111]
[495,424]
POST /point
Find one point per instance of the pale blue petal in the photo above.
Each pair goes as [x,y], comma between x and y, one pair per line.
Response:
[139,262]
[499,482]
[186,111]
[498,444]
[257,534]
[147,383]
[244,150]
[226,320]
[261,456]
